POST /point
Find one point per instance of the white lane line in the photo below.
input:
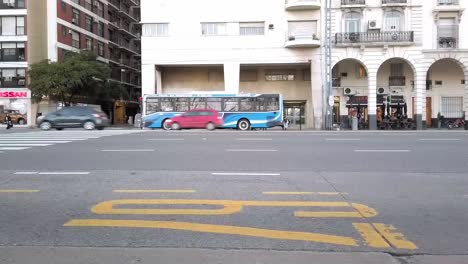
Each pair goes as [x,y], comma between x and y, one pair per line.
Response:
[244,174]
[382,150]
[32,142]
[251,150]
[254,139]
[127,150]
[24,144]
[64,173]
[439,139]
[14,148]
[342,139]
[26,172]
[166,139]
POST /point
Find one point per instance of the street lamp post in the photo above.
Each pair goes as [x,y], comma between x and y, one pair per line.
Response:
[327,93]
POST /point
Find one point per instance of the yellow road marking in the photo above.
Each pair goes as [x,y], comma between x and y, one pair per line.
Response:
[229,207]
[361,211]
[371,236]
[396,239]
[154,191]
[218,229]
[19,191]
[303,193]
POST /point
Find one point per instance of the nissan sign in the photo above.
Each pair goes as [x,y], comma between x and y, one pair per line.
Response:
[14,94]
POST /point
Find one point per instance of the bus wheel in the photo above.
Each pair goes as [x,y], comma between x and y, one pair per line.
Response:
[243,125]
[165,125]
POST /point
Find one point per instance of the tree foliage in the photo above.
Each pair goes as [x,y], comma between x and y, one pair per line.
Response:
[77,76]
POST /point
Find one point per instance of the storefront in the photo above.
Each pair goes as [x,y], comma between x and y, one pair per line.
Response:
[16,103]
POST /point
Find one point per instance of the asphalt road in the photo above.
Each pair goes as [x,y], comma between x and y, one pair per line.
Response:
[366,197]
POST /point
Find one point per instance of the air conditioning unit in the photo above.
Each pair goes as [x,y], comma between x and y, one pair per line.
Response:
[70,31]
[22,82]
[73,21]
[349,91]
[383,90]
[374,24]
[397,90]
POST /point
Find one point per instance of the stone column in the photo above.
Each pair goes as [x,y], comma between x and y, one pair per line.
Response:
[420,100]
[231,77]
[372,99]
[317,85]
[465,101]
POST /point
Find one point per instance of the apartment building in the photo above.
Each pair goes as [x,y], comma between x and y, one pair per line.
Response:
[400,55]
[108,27]
[14,96]
[262,46]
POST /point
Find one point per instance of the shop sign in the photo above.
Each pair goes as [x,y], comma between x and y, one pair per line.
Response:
[15,94]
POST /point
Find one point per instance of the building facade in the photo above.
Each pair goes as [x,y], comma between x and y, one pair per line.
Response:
[14,95]
[407,57]
[109,28]
[273,46]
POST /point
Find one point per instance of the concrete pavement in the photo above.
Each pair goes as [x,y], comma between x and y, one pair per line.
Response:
[375,197]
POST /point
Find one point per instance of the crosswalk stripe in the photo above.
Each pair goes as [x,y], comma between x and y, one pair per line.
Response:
[24,145]
[33,142]
[14,148]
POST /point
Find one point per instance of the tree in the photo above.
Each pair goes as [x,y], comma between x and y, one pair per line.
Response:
[77,75]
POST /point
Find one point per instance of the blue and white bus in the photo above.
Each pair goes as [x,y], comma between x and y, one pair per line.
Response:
[239,111]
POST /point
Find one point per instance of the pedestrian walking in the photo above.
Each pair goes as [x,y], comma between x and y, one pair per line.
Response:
[8,122]
[286,124]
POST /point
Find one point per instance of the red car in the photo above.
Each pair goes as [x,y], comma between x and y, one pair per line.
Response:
[196,118]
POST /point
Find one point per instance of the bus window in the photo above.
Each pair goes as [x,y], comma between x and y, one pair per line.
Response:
[197,103]
[260,104]
[231,104]
[166,105]
[272,104]
[152,106]
[247,104]
[181,104]
[213,103]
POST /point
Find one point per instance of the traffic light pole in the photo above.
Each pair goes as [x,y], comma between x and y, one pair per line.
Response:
[327,93]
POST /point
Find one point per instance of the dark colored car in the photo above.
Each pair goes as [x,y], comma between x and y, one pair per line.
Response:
[196,118]
[16,116]
[73,117]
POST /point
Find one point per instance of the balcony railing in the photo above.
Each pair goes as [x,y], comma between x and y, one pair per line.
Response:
[397,81]
[353,2]
[12,4]
[387,2]
[374,37]
[447,2]
[447,37]
[14,82]
[302,4]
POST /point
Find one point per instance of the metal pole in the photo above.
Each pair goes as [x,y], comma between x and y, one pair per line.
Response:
[328,119]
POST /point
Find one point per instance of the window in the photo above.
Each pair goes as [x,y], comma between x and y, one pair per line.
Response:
[12,77]
[214,29]
[196,103]
[63,6]
[20,26]
[397,69]
[76,1]
[394,21]
[279,77]
[213,103]
[166,104]
[253,28]
[101,49]
[231,104]
[452,106]
[88,5]
[156,30]
[89,23]
[181,104]
[89,43]
[100,29]
[447,31]
[100,9]
[352,22]
[248,75]
[64,30]
[13,52]
[8,25]
[360,71]
[76,16]
[75,39]
[247,104]
[302,29]
[152,105]
[272,104]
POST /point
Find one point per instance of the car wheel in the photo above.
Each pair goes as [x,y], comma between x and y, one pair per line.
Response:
[243,125]
[175,126]
[89,125]
[59,128]
[210,126]
[21,122]
[100,128]
[46,125]
[165,125]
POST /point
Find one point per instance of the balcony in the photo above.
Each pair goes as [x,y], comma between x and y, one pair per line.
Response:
[12,82]
[390,38]
[397,81]
[448,6]
[353,3]
[302,41]
[302,4]
[447,37]
[12,4]
[394,2]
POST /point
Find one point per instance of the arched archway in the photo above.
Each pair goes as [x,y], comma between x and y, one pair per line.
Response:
[350,90]
[396,94]
[446,92]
